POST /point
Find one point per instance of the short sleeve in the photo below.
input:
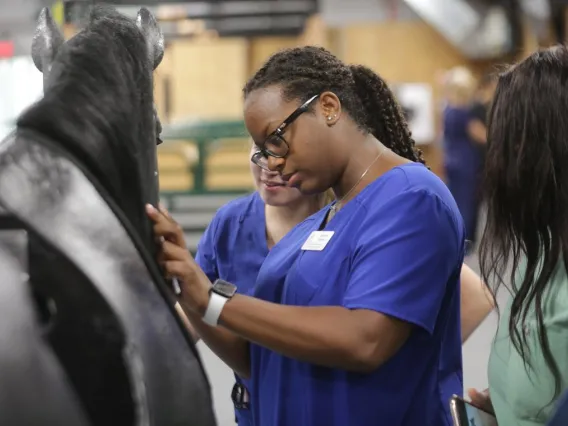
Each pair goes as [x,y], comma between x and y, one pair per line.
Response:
[402,263]
[478,112]
[205,256]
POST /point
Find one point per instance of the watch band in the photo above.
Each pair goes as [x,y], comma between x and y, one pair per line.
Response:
[214,308]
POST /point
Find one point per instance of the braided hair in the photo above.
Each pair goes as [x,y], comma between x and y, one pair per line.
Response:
[305,71]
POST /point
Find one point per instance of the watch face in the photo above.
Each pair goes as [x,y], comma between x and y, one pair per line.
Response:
[224,288]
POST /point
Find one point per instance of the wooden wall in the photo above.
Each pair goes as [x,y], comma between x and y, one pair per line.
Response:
[206,76]
[203,77]
[404,52]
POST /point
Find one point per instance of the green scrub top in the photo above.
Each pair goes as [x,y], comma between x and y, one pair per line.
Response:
[522,398]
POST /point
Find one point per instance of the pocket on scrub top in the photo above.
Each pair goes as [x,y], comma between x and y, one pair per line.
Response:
[317,279]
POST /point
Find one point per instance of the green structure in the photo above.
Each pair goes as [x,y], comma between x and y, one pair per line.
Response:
[207,136]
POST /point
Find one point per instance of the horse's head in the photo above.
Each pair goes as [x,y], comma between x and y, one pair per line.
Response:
[112,44]
[48,40]
[78,278]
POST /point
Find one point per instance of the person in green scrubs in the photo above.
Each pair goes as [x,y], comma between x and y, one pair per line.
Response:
[527,229]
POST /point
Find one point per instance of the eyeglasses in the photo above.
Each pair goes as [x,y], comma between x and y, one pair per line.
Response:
[275,145]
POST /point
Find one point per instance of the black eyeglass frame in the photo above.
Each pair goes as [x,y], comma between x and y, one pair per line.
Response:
[279,133]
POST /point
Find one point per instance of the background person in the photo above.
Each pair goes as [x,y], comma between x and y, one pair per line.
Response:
[462,156]
[527,231]
[240,236]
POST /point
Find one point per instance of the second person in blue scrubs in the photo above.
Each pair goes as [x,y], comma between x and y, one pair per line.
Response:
[358,324]
[241,234]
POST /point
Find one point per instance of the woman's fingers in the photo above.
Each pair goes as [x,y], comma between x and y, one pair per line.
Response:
[178,269]
[153,213]
[164,211]
[173,256]
[165,227]
[171,251]
[481,399]
[474,394]
[177,262]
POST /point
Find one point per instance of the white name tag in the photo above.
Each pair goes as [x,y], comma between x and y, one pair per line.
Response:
[317,240]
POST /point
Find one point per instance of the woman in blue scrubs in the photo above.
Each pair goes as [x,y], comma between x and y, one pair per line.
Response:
[239,238]
[462,153]
[354,316]
[234,247]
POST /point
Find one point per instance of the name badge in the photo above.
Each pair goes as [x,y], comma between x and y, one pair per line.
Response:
[317,240]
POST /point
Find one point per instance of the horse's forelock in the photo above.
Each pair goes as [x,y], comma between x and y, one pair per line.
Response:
[104,11]
[101,110]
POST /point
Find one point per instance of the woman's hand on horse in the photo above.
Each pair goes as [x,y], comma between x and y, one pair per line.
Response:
[177,262]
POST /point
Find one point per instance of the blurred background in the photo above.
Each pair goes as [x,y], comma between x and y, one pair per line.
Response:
[436,54]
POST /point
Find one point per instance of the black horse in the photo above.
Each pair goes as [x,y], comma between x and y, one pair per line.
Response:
[88,333]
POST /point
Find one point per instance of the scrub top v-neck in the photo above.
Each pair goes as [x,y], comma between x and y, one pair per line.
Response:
[397,249]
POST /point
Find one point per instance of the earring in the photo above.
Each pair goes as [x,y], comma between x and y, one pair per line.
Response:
[329,117]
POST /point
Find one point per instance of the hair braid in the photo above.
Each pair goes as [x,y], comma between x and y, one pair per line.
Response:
[305,71]
[384,116]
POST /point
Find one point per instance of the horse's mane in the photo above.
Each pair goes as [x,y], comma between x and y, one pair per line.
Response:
[98,106]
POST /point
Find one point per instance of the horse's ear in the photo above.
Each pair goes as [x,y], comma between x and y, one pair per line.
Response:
[46,42]
[153,34]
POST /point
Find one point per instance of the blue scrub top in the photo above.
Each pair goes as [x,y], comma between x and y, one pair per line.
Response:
[397,249]
[233,248]
[462,155]
[560,417]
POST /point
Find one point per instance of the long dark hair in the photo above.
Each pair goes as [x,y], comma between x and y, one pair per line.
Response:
[99,107]
[305,71]
[526,190]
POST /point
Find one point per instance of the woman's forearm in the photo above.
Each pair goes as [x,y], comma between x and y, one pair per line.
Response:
[233,350]
[477,131]
[331,336]
[476,301]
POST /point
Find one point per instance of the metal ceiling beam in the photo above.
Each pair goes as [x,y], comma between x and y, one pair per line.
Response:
[223,8]
[171,2]
[284,32]
[239,16]
[232,17]
[477,30]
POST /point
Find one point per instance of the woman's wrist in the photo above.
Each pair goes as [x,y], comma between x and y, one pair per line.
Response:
[198,300]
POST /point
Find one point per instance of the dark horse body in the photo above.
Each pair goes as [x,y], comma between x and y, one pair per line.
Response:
[88,333]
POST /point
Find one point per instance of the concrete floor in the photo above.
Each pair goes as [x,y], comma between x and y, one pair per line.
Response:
[475,357]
